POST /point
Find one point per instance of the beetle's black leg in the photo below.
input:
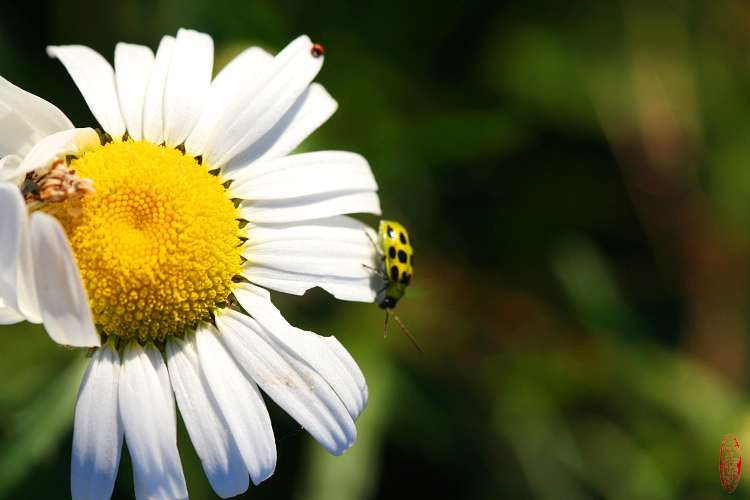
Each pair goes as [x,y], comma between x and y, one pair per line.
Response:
[377,247]
[379,273]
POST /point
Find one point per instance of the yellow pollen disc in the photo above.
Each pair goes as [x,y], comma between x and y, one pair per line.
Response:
[157,244]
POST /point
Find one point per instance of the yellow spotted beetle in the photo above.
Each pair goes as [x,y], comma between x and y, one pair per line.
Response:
[397,254]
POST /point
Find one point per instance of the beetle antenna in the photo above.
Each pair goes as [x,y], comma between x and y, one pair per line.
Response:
[385,327]
[403,328]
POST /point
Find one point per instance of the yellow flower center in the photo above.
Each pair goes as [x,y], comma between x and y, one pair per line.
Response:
[157,244]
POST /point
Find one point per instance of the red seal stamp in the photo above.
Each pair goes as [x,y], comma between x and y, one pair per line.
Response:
[730,463]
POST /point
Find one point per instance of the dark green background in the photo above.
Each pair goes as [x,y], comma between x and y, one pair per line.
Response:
[576,180]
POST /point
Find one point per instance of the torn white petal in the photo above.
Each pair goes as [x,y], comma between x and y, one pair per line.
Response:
[354,289]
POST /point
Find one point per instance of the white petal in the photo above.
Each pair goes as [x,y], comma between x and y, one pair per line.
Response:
[44,117]
[322,252]
[16,136]
[187,83]
[56,146]
[303,175]
[264,102]
[17,285]
[311,110]
[25,119]
[9,169]
[28,299]
[62,297]
[307,346]
[339,350]
[97,431]
[139,486]
[157,360]
[241,404]
[7,315]
[153,102]
[149,427]
[96,80]
[81,140]
[208,430]
[132,70]
[310,207]
[354,289]
[224,89]
[13,222]
[292,383]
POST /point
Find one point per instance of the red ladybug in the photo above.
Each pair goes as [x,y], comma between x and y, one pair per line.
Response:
[317,50]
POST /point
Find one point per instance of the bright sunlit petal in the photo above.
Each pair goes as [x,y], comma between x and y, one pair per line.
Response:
[225,88]
[311,110]
[264,102]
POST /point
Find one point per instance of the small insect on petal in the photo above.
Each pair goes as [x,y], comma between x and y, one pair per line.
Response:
[317,50]
[396,254]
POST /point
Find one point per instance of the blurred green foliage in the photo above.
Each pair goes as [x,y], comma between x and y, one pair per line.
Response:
[576,180]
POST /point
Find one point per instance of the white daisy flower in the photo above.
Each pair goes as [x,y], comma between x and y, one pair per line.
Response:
[190,205]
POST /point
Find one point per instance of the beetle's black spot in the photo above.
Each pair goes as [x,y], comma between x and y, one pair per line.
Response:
[392,252]
[391,233]
[394,273]
[402,237]
[401,256]
[406,279]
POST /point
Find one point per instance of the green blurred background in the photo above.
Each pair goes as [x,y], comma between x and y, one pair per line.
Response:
[576,180]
